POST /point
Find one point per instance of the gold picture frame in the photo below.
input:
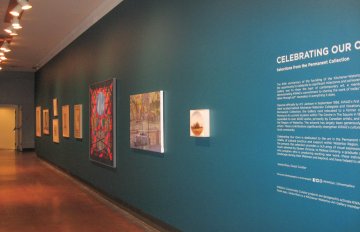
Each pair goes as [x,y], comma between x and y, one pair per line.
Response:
[46,121]
[55,131]
[55,107]
[38,121]
[65,111]
[78,131]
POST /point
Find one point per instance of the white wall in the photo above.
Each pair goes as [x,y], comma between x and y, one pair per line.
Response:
[18,88]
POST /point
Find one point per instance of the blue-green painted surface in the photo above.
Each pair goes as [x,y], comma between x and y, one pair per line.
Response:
[211,54]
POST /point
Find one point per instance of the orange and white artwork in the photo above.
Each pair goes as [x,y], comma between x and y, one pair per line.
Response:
[78,121]
[55,130]
[46,120]
[38,121]
[65,110]
[200,123]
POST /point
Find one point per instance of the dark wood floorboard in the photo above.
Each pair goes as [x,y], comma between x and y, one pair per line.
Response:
[36,197]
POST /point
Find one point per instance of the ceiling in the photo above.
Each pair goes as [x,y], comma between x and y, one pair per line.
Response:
[49,27]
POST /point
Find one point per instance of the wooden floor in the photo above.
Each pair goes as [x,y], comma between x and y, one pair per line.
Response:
[34,196]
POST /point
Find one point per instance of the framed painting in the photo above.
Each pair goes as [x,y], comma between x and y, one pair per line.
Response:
[55,107]
[46,122]
[146,121]
[102,122]
[78,131]
[200,123]
[55,131]
[38,121]
[65,110]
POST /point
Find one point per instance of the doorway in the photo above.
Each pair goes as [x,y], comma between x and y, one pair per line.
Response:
[10,127]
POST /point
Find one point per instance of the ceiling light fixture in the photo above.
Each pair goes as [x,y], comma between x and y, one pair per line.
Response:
[16,23]
[24,4]
[14,33]
[3,58]
[16,11]
[5,48]
[9,29]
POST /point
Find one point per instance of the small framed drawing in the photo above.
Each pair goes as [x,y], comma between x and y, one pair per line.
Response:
[200,123]
[65,121]
[78,134]
[146,121]
[46,119]
[55,107]
[55,131]
[38,121]
[102,122]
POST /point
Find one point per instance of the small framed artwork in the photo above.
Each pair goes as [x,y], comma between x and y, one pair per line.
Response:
[55,131]
[102,124]
[55,107]
[46,122]
[78,131]
[38,121]
[65,110]
[146,121]
[200,123]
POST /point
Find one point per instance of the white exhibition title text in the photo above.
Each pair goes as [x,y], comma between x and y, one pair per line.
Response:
[335,49]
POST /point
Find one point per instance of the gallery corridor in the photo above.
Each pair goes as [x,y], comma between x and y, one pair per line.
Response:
[35,196]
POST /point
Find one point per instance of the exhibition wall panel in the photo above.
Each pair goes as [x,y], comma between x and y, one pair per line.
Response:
[281,81]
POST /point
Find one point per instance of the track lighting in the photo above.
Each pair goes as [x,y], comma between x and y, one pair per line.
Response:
[9,29]
[16,11]
[5,47]
[24,4]
[13,33]
[7,50]
[16,23]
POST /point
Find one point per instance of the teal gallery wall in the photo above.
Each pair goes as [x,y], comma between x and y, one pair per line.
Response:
[18,88]
[220,55]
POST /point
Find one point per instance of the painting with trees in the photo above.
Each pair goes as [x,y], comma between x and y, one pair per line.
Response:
[146,121]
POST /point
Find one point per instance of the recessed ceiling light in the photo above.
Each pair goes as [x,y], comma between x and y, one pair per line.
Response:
[24,4]
[14,33]
[16,23]
[9,29]
[16,11]
[5,47]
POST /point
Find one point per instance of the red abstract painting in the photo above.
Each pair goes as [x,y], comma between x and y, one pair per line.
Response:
[102,122]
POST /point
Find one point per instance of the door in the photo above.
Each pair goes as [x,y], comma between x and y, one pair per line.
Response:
[7,125]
